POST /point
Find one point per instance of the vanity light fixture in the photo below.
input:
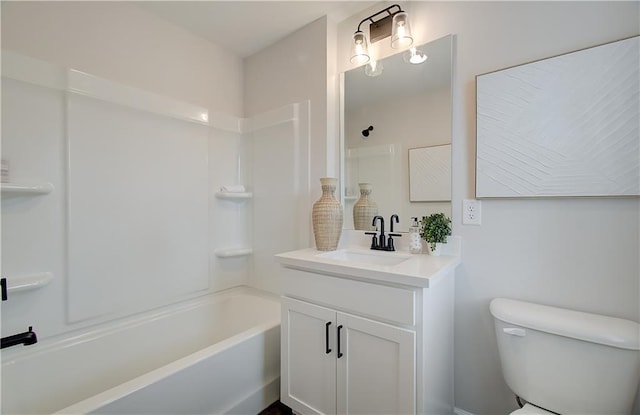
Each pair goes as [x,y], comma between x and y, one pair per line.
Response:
[394,24]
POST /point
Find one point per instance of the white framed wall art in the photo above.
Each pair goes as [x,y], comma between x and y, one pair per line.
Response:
[566,126]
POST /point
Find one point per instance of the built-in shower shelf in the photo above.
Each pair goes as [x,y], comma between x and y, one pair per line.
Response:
[26,189]
[234,195]
[233,252]
[28,282]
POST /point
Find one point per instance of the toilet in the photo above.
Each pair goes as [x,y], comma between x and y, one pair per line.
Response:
[567,362]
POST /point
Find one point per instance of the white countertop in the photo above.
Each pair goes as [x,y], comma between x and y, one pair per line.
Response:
[421,270]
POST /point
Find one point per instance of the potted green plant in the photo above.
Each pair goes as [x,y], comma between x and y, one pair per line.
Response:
[434,229]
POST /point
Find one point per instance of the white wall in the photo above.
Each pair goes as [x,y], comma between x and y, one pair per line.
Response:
[290,71]
[124,44]
[280,141]
[576,253]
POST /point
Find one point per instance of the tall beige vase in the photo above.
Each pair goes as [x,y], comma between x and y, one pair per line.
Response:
[364,209]
[327,216]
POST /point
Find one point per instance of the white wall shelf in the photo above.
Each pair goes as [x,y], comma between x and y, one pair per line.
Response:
[234,195]
[28,282]
[233,252]
[26,189]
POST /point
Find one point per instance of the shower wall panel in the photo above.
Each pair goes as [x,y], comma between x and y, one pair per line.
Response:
[137,209]
[280,168]
[229,219]
[33,226]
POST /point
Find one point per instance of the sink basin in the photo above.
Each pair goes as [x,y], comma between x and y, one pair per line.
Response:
[366,257]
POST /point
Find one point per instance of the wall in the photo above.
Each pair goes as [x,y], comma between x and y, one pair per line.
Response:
[281,189]
[124,44]
[576,253]
[290,71]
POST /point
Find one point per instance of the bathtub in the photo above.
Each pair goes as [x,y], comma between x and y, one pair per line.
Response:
[212,355]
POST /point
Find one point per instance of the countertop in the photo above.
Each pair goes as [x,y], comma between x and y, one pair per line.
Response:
[418,270]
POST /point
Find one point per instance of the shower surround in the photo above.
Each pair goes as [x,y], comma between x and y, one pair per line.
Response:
[132,222]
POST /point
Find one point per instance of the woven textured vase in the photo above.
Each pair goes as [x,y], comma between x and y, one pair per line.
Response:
[364,209]
[327,217]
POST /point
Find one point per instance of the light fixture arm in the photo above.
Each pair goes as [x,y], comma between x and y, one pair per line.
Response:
[387,10]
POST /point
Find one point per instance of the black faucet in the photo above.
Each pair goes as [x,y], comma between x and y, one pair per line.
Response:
[380,242]
[394,216]
[390,245]
[26,338]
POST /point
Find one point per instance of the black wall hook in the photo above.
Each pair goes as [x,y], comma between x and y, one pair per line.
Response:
[365,133]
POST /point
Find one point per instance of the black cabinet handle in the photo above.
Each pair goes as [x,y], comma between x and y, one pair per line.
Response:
[340,354]
[326,338]
[3,283]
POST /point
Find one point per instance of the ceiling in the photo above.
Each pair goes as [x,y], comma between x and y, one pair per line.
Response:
[246,27]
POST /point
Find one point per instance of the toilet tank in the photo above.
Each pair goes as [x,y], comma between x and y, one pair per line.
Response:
[568,361]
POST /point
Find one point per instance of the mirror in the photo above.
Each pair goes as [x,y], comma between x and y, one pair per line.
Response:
[404,109]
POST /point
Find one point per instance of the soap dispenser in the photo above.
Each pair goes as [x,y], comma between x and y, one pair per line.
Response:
[415,240]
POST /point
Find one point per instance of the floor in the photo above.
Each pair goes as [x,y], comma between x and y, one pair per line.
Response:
[276,408]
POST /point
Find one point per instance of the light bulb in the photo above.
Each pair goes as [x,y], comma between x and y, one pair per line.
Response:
[359,49]
[401,31]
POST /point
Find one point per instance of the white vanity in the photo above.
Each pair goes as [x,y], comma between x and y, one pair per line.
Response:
[367,332]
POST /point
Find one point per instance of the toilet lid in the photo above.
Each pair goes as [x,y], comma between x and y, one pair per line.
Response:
[531,410]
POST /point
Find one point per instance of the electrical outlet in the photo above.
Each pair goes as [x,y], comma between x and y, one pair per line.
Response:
[471,212]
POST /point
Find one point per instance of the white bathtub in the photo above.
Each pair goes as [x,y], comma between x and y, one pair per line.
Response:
[216,354]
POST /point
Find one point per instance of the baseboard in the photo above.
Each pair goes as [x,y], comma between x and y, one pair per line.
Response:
[458,411]
[258,400]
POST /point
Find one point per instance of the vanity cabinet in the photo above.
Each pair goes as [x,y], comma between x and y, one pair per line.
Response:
[341,363]
[361,340]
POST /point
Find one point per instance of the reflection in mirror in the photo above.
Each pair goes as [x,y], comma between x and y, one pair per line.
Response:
[405,106]
[430,174]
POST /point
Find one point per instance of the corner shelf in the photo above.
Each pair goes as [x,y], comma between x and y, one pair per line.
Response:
[26,189]
[234,196]
[28,282]
[233,252]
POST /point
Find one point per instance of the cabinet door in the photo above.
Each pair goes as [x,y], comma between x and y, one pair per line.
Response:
[308,375]
[376,369]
